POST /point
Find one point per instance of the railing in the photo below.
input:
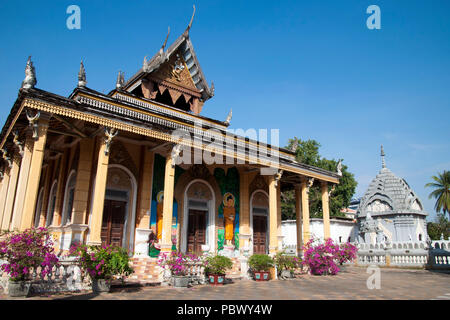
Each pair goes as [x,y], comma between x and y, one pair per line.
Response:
[197,273]
[402,254]
[68,277]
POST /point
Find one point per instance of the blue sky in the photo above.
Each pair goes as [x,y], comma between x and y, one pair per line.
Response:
[310,68]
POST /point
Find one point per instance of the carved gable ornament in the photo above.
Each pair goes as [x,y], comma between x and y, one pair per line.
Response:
[176,72]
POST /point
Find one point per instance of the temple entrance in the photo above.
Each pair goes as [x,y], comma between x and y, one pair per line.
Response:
[196,235]
[113,222]
[259,234]
[260,221]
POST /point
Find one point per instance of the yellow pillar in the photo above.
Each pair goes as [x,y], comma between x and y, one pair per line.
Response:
[244,210]
[305,211]
[326,210]
[22,182]
[279,234]
[3,194]
[81,194]
[146,190]
[34,175]
[298,218]
[169,181]
[273,216]
[12,221]
[60,188]
[99,195]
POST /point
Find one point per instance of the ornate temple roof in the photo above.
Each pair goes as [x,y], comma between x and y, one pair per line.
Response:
[184,46]
[388,194]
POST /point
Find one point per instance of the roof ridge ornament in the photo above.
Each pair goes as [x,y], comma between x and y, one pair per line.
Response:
[82,76]
[120,80]
[30,75]
[339,167]
[190,23]
[167,37]
[383,162]
[230,115]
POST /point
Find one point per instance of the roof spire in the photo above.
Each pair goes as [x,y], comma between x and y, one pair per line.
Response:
[120,80]
[190,23]
[82,76]
[165,41]
[30,75]
[383,163]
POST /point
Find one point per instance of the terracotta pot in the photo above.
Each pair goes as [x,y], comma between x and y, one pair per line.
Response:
[262,275]
[19,288]
[216,279]
[101,285]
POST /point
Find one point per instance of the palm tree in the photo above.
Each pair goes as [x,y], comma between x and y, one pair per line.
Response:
[441,192]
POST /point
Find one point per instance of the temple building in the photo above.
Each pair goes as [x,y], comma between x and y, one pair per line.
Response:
[390,211]
[114,168]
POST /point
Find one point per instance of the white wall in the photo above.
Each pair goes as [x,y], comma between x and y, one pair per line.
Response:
[338,228]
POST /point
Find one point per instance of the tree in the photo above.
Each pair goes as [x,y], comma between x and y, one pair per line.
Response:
[441,226]
[441,192]
[307,152]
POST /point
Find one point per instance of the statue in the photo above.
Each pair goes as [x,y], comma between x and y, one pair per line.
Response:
[229,213]
[339,168]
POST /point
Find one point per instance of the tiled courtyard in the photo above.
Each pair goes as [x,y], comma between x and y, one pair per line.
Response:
[350,285]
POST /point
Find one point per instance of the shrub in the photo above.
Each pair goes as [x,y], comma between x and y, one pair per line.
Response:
[260,262]
[177,262]
[102,262]
[217,264]
[347,253]
[25,250]
[321,257]
[286,262]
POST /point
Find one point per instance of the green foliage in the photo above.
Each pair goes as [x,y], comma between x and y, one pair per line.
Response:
[285,262]
[441,226]
[102,262]
[308,153]
[217,264]
[260,262]
[441,193]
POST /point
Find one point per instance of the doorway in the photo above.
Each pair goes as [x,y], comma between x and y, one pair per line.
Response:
[259,234]
[196,235]
[113,222]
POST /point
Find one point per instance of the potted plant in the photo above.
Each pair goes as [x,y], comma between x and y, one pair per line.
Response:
[321,258]
[24,251]
[178,264]
[286,265]
[215,267]
[102,263]
[260,265]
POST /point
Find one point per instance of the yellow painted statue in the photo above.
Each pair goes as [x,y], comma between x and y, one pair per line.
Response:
[159,214]
[229,214]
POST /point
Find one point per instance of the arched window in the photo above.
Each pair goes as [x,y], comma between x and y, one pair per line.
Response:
[37,213]
[68,198]
[51,203]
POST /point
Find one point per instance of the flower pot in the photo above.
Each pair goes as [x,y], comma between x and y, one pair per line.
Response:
[261,275]
[101,285]
[216,279]
[180,281]
[19,288]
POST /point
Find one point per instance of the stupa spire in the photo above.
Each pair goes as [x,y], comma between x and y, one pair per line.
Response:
[383,162]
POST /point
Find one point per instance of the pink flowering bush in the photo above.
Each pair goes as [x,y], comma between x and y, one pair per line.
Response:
[347,253]
[321,258]
[178,263]
[26,250]
[102,262]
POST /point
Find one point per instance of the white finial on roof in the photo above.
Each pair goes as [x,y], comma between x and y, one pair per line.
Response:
[383,162]
[82,76]
[30,75]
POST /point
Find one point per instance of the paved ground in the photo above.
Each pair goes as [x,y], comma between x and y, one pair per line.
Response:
[351,284]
